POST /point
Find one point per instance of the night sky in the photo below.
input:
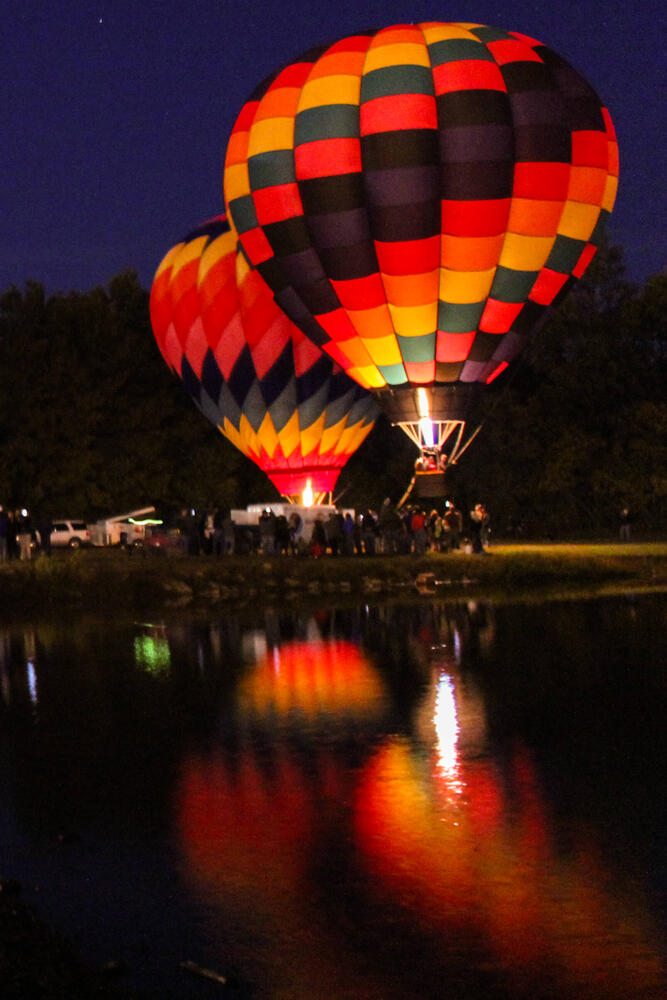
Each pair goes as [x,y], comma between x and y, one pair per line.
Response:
[116,114]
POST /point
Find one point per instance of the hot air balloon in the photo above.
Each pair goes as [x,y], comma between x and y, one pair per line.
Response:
[250,370]
[417,198]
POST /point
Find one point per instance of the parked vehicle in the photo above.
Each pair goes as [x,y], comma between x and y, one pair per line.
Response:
[69,532]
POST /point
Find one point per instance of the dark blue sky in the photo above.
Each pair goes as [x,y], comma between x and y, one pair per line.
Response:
[116,114]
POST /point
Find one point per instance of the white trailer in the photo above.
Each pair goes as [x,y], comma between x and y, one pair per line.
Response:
[108,530]
[253,512]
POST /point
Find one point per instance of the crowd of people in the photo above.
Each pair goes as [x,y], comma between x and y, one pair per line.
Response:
[390,531]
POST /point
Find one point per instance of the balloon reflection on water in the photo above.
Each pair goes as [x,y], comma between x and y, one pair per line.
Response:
[466,848]
[251,818]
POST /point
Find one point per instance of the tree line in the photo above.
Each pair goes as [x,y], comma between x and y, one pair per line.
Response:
[92,422]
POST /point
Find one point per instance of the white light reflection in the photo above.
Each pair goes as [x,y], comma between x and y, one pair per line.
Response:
[32,681]
[446,725]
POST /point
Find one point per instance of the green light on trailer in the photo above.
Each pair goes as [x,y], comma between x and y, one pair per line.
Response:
[145,520]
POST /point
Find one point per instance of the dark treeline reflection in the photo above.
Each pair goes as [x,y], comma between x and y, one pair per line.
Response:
[350,802]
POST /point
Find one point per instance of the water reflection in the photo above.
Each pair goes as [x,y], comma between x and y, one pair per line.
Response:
[357,803]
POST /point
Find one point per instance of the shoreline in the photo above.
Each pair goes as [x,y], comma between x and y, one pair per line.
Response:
[90,580]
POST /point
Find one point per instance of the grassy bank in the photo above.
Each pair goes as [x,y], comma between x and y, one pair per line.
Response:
[109,579]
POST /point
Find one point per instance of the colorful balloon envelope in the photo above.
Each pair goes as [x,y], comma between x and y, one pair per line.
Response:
[417,198]
[250,370]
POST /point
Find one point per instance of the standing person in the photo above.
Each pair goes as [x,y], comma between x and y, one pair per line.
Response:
[348,535]
[454,524]
[624,528]
[45,527]
[418,529]
[24,532]
[4,534]
[334,532]
[318,539]
[478,526]
[267,531]
[389,524]
[295,532]
[368,532]
[282,536]
[228,535]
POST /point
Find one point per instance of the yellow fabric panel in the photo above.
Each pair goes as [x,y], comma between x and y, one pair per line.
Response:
[578,221]
[237,181]
[189,252]
[273,133]
[279,103]
[384,351]
[336,89]
[462,287]
[220,247]
[415,321]
[266,437]
[529,217]
[359,432]
[367,376]
[587,185]
[398,54]
[609,196]
[232,434]
[435,32]
[242,269]
[344,445]
[331,436]
[411,289]
[249,440]
[525,253]
[470,253]
[371,323]
[168,260]
[289,437]
[310,436]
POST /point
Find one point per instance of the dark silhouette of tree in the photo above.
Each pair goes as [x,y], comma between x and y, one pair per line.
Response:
[92,422]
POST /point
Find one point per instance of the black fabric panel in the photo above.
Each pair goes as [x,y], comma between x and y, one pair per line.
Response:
[537,107]
[405,148]
[340,193]
[520,76]
[448,371]
[398,223]
[401,185]
[211,376]
[345,263]
[287,236]
[483,346]
[318,296]
[339,229]
[273,274]
[190,380]
[278,375]
[542,144]
[472,107]
[242,376]
[583,114]
[527,319]
[477,142]
[295,309]
[474,181]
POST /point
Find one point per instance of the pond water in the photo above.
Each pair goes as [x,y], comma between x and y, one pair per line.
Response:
[369,803]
